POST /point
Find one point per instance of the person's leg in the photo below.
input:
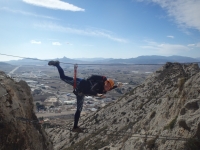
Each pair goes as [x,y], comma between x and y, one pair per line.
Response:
[63,77]
[67,79]
[80,100]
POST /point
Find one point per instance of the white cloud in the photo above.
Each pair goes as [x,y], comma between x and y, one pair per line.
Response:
[198,44]
[87,32]
[56,43]
[165,48]
[26,13]
[54,4]
[186,13]
[35,42]
[194,45]
[191,45]
[170,36]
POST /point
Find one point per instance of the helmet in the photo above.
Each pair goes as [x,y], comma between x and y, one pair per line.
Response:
[111,82]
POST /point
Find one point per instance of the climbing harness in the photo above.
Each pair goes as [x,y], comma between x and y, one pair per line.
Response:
[75,85]
[75,72]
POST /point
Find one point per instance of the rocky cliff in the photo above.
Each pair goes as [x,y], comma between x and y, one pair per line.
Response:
[162,113]
[19,126]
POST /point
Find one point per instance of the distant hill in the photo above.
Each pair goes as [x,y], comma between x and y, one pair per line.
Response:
[198,58]
[4,64]
[68,60]
[32,61]
[154,59]
[94,59]
[35,61]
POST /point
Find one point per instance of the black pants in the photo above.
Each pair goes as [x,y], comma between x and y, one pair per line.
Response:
[79,98]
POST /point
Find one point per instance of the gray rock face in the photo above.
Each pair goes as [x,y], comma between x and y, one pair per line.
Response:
[19,127]
[162,113]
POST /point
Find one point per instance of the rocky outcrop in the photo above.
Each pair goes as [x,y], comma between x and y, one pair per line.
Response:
[19,126]
[162,113]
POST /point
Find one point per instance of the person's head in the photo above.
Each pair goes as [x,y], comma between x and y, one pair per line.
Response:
[108,84]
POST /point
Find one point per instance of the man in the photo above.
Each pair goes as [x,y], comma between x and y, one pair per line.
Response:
[93,86]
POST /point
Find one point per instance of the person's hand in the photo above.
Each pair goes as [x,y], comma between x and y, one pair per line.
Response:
[101,95]
[119,84]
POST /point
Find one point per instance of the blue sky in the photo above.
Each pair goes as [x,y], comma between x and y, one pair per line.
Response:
[47,29]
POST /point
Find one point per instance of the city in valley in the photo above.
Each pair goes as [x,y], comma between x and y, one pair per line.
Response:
[54,99]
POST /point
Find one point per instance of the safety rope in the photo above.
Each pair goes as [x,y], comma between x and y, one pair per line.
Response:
[31,58]
[109,64]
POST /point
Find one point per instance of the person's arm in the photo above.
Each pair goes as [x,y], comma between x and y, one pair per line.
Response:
[116,86]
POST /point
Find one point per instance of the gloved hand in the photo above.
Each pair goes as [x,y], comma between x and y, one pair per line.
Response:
[101,95]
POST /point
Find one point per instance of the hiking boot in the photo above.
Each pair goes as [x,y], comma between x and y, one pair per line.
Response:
[53,63]
[77,129]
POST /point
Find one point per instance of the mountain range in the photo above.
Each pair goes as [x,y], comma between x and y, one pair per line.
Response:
[153,59]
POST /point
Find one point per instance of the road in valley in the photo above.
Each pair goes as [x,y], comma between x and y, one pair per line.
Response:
[11,72]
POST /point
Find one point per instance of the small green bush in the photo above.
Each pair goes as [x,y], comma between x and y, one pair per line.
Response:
[181,82]
[171,124]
